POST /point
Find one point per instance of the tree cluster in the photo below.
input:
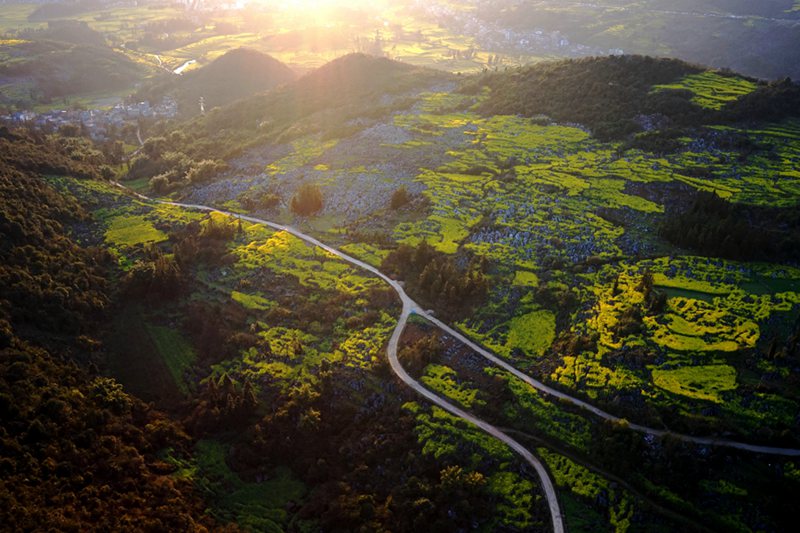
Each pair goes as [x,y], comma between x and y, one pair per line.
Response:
[259,200]
[775,101]
[716,227]
[419,354]
[76,452]
[49,154]
[46,279]
[168,168]
[362,463]
[437,279]
[205,242]
[158,277]
[222,406]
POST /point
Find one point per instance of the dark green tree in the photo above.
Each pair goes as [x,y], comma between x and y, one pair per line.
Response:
[307,200]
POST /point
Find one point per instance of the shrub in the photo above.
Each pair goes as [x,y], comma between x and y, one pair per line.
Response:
[160,184]
[259,200]
[157,279]
[205,170]
[400,198]
[307,200]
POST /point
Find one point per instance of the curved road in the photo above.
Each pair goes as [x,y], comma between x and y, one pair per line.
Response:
[410,306]
[707,441]
[413,307]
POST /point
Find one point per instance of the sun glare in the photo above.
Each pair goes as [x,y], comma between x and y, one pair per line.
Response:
[320,12]
[314,6]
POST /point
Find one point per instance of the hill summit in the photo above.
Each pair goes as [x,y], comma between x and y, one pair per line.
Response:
[236,74]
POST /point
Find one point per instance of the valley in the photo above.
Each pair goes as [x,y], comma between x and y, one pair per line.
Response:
[394,280]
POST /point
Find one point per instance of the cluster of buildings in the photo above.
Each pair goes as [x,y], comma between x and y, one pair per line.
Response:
[490,36]
[99,123]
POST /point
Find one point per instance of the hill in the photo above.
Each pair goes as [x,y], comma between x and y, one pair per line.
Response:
[237,74]
[353,86]
[354,80]
[67,31]
[38,71]
[620,95]
[603,93]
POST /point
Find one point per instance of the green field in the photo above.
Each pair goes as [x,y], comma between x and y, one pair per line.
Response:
[176,352]
[712,90]
[700,382]
[132,230]
[253,506]
[532,333]
[252,301]
[443,380]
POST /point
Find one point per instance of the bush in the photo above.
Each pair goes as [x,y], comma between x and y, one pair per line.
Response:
[157,279]
[205,170]
[160,184]
[269,200]
[259,200]
[400,198]
[307,200]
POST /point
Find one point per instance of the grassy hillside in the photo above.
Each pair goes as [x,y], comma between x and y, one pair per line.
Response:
[43,71]
[604,94]
[354,86]
[616,97]
[351,83]
[237,74]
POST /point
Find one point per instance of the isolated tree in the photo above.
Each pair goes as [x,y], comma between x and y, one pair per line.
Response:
[307,200]
[400,198]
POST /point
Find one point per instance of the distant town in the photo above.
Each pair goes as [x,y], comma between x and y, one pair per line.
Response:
[100,124]
[491,36]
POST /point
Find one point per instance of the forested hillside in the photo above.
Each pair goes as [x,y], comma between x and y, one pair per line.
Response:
[619,96]
[45,70]
[78,452]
